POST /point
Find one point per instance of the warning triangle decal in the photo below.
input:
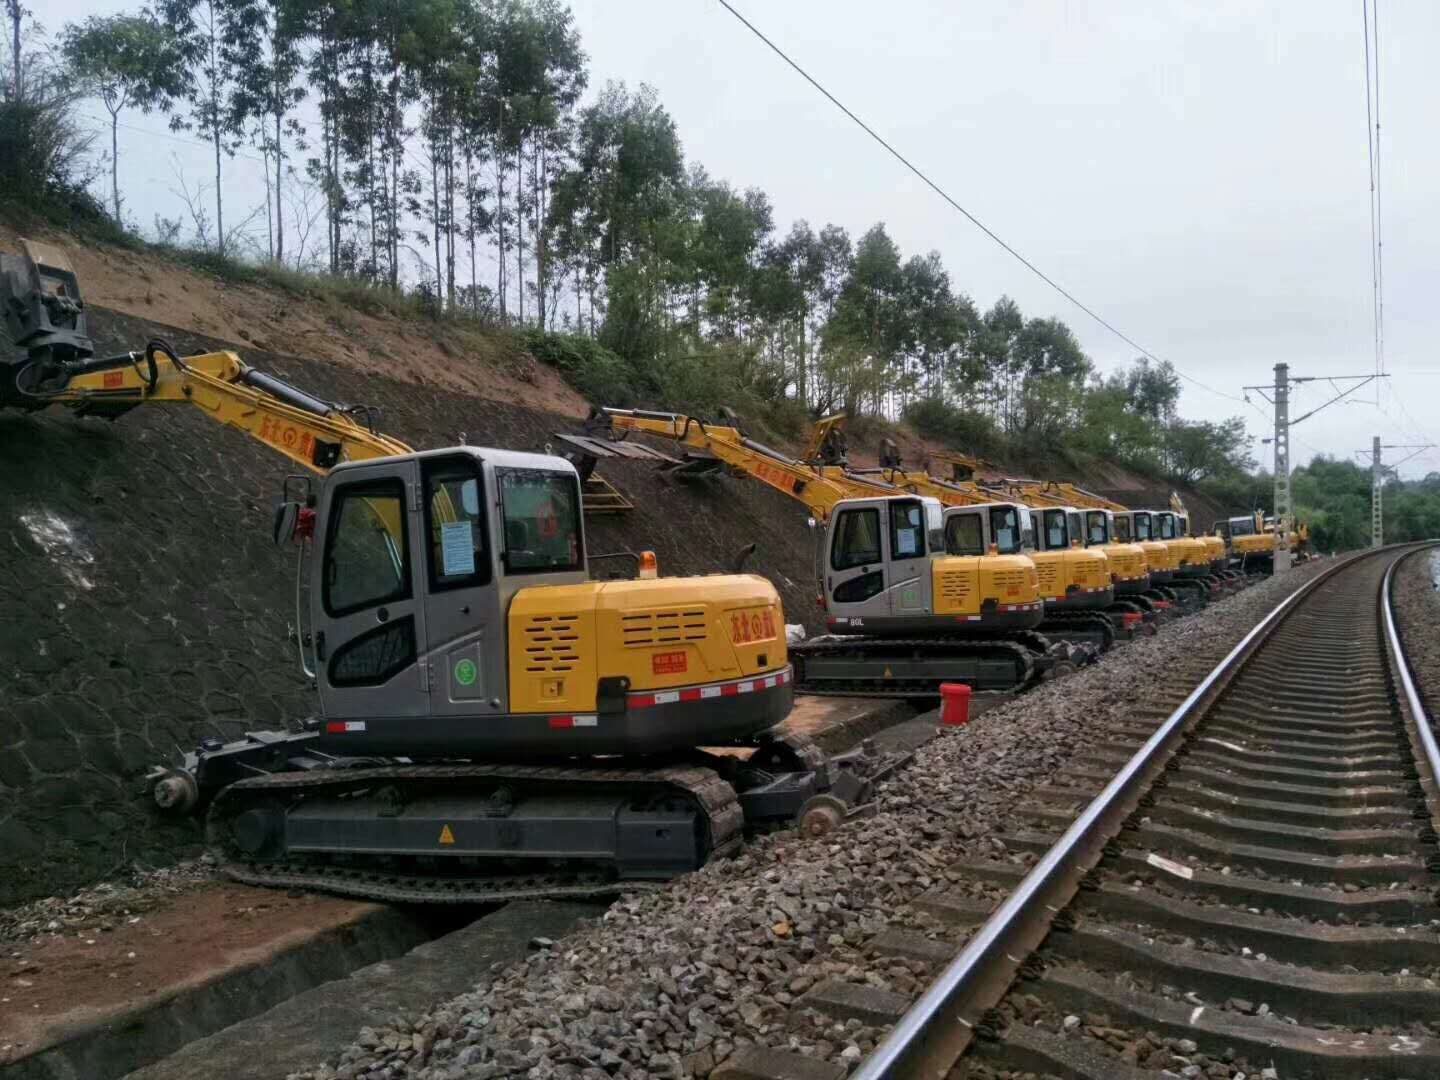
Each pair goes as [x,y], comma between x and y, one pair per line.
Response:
[446,836]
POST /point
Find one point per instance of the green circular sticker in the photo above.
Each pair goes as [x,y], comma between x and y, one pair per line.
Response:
[466,672]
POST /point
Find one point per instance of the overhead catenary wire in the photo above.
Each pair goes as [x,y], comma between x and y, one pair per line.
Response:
[925,179]
[1379,198]
[1374,224]
[172,137]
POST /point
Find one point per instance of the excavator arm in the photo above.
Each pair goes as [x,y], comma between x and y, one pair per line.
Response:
[45,316]
[311,432]
[819,487]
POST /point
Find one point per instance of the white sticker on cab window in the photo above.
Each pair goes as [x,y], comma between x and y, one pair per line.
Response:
[470,498]
[457,548]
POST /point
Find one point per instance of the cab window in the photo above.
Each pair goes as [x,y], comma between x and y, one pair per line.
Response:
[1072,521]
[1167,528]
[1005,530]
[540,515]
[964,535]
[1054,522]
[366,554]
[455,524]
[1122,528]
[907,530]
[1142,527]
[1095,527]
[857,539]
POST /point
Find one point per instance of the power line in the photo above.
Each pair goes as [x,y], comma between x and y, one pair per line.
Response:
[966,213]
[1374,230]
[1379,205]
[167,135]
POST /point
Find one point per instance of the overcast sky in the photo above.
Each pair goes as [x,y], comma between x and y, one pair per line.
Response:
[1194,171]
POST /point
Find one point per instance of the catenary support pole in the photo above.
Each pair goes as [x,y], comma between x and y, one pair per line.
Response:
[1377,491]
[1282,468]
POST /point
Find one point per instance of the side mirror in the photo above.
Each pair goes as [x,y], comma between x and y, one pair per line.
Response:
[292,521]
[282,528]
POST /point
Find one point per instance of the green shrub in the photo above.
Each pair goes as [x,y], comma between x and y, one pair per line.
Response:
[962,428]
[45,161]
[599,374]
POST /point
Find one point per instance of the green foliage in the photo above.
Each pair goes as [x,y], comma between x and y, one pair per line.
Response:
[130,61]
[937,419]
[602,376]
[1334,498]
[45,165]
[437,126]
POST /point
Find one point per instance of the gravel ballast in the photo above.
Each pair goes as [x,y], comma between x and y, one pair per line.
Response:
[673,983]
[1417,612]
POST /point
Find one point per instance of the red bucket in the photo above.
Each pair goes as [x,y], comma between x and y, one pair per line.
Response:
[955,704]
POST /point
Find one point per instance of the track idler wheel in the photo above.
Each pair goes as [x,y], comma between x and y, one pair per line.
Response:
[821,814]
[1059,669]
[175,793]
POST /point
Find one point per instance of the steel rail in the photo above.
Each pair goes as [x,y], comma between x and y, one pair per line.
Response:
[976,980]
[1416,706]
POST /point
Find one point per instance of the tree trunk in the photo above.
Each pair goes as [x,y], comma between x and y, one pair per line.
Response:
[800,381]
[435,216]
[520,231]
[470,228]
[500,235]
[12,8]
[540,230]
[394,223]
[450,217]
[115,161]
[219,204]
[279,203]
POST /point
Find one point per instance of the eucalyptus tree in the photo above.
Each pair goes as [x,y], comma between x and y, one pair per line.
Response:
[199,29]
[262,46]
[131,61]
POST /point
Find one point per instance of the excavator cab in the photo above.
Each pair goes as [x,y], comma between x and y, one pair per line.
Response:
[1140,527]
[909,565]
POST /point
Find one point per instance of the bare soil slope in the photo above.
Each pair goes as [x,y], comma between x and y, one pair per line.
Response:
[149,286]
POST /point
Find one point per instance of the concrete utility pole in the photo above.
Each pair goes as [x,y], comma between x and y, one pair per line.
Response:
[1279,396]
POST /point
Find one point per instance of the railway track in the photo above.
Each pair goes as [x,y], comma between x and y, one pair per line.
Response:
[1247,890]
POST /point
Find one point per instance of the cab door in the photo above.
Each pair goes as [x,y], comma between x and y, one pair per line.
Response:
[909,564]
[466,653]
[369,626]
[855,572]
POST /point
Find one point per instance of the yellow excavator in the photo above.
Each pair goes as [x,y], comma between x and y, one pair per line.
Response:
[1134,609]
[1075,582]
[492,723]
[935,602]
[1250,541]
[1217,558]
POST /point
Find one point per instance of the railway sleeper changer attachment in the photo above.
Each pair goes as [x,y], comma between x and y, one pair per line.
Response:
[279,812]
